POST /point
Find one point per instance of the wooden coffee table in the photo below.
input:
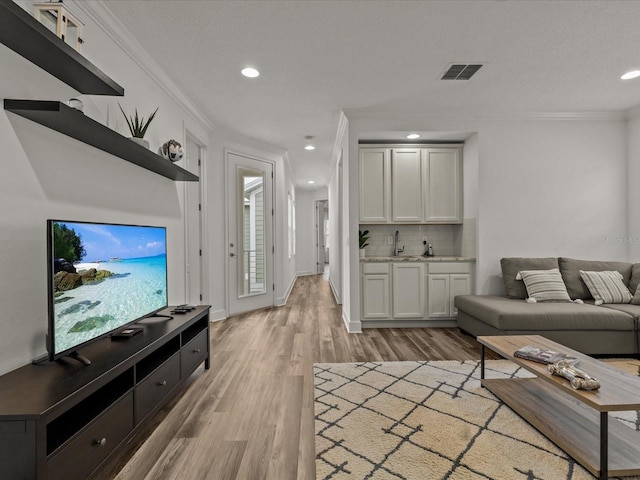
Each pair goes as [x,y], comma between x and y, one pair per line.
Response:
[577,421]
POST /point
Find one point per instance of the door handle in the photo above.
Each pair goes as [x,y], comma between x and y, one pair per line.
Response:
[232,254]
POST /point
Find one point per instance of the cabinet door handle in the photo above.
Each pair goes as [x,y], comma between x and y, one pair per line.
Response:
[100,443]
[197,350]
[162,383]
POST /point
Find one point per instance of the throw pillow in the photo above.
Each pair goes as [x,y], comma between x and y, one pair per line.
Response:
[635,278]
[606,287]
[636,297]
[512,265]
[544,285]
[570,270]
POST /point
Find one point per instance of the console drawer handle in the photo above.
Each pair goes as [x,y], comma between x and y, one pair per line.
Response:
[197,350]
[162,383]
[100,443]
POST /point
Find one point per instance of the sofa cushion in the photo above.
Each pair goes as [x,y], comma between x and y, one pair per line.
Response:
[606,287]
[631,309]
[635,278]
[570,270]
[510,314]
[544,285]
[512,265]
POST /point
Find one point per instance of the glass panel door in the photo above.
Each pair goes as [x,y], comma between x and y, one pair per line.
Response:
[252,258]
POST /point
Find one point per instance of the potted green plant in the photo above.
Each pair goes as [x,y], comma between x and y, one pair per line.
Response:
[138,126]
[363,241]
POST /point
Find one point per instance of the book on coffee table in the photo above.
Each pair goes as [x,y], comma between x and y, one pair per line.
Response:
[542,355]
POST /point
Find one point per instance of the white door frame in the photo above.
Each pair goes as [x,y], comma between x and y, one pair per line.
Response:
[195,288]
[271,279]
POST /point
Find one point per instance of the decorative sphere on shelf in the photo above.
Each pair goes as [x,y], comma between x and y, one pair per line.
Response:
[171,150]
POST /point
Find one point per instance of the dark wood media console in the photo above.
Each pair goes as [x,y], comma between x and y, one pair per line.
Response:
[61,420]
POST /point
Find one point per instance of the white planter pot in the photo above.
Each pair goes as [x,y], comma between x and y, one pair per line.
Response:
[362,252]
[141,141]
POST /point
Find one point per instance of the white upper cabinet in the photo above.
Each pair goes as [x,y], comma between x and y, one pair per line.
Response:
[443,185]
[406,184]
[375,181]
[411,185]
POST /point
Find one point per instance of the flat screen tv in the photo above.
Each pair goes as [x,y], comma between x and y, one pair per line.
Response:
[101,278]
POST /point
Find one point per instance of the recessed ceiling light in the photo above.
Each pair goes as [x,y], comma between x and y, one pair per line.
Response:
[413,136]
[630,75]
[250,72]
[309,147]
[311,181]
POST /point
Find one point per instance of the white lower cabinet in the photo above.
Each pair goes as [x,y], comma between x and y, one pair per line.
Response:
[444,282]
[438,296]
[413,290]
[375,291]
[408,290]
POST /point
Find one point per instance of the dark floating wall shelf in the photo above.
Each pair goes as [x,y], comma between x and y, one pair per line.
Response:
[23,34]
[71,122]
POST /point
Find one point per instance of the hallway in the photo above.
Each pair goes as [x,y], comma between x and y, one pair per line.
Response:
[251,415]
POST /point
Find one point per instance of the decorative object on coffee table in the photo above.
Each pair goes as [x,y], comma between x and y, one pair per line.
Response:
[542,355]
[138,126]
[580,380]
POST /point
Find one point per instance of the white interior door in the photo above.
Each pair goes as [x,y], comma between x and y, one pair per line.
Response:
[250,233]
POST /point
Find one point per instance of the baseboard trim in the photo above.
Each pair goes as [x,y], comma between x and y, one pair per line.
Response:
[335,292]
[217,315]
[306,273]
[409,323]
[352,327]
[283,300]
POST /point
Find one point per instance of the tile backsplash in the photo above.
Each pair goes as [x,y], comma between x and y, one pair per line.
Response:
[450,240]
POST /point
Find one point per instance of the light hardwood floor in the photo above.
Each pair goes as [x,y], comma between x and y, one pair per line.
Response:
[251,415]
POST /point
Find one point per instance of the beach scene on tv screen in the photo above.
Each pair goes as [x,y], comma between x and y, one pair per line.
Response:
[105,276]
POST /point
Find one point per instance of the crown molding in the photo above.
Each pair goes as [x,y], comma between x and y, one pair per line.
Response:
[99,13]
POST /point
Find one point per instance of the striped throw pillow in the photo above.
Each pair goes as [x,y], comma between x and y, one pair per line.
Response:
[606,287]
[544,285]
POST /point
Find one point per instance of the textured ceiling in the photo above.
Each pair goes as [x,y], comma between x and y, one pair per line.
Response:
[317,58]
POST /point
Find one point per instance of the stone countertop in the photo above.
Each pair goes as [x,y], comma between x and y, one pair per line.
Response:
[409,258]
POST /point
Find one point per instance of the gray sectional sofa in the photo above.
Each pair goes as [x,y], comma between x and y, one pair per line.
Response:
[608,329]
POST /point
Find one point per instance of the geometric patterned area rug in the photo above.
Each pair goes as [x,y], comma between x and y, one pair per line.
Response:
[431,420]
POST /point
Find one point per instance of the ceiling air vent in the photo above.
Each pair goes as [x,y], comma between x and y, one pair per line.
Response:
[458,71]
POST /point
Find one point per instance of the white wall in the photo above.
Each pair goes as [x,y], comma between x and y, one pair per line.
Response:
[550,188]
[632,240]
[48,175]
[306,253]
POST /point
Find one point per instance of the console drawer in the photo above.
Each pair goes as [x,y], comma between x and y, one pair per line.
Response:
[90,447]
[193,353]
[155,387]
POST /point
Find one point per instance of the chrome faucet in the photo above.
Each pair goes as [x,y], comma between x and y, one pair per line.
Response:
[397,250]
